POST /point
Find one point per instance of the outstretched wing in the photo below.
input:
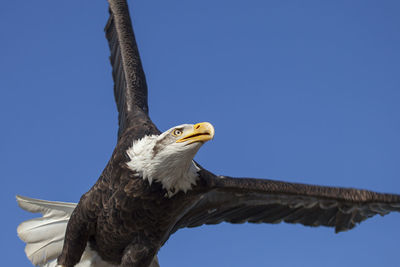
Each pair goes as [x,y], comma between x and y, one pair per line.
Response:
[239,200]
[130,88]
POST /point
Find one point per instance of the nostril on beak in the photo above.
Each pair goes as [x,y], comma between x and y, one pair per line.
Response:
[197,126]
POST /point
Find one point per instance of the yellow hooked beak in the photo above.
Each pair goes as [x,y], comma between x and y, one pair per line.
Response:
[202,132]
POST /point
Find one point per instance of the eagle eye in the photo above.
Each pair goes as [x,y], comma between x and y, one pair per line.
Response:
[177,132]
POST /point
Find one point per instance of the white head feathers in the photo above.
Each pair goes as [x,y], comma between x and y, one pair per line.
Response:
[168,158]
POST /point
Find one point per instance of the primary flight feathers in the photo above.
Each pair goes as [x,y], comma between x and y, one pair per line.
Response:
[238,200]
[130,87]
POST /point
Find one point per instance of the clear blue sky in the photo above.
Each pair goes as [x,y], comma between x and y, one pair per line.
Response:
[303,91]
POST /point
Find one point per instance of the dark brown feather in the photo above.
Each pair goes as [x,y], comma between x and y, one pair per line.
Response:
[239,200]
[130,87]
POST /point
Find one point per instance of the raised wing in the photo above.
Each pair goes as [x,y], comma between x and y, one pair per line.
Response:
[239,200]
[130,88]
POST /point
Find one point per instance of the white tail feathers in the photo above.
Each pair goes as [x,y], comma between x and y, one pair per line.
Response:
[44,236]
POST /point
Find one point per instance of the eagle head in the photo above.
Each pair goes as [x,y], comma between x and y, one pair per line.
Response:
[168,158]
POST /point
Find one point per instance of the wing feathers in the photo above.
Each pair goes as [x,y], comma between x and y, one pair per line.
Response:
[297,189]
[239,200]
[130,88]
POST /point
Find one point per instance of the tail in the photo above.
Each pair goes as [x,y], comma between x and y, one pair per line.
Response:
[44,236]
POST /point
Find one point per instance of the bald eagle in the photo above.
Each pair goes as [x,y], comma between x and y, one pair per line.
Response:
[151,187]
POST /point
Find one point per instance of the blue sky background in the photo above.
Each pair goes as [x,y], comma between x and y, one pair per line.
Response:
[302,91]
